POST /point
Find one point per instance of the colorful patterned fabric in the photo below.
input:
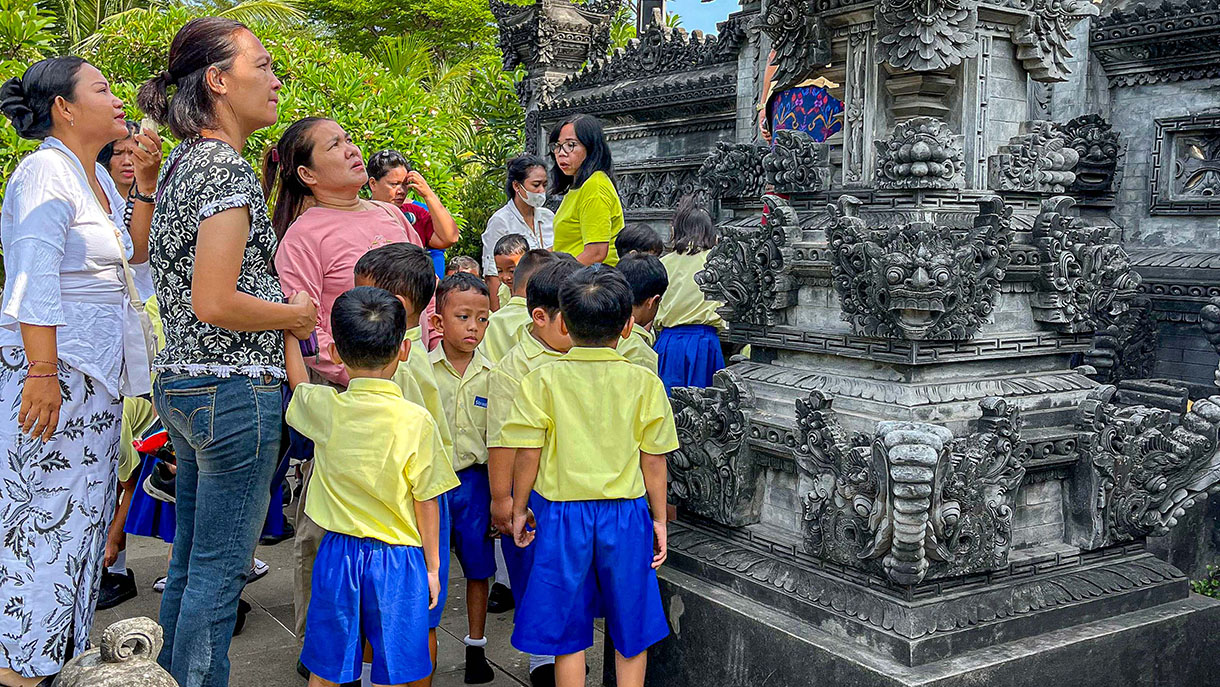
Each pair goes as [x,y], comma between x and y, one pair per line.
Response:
[807,108]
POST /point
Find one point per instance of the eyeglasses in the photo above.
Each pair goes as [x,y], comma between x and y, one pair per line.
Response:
[566,147]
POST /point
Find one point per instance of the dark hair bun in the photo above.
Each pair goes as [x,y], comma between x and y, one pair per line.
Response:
[14,106]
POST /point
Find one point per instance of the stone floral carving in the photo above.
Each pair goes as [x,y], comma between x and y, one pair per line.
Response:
[1084,272]
[926,35]
[734,170]
[1096,143]
[799,40]
[1124,346]
[918,280]
[1148,465]
[797,163]
[750,270]
[657,188]
[921,152]
[126,657]
[1039,160]
[1042,38]
[712,474]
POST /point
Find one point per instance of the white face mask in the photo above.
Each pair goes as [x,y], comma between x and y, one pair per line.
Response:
[534,200]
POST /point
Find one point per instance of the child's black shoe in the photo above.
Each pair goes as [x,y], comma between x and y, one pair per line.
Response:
[478,670]
[543,676]
[500,599]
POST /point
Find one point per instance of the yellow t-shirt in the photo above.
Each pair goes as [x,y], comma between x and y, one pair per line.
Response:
[591,442]
[375,455]
[504,329]
[504,295]
[465,399]
[684,303]
[637,348]
[414,377]
[505,380]
[592,213]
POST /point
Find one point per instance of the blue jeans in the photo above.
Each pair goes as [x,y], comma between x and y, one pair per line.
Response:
[226,434]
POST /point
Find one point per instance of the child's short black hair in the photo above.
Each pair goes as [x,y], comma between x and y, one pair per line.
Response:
[368,325]
[543,288]
[529,264]
[645,274]
[455,283]
[638,238]
[403,269]
[511,244]
[596,304]
[463,263]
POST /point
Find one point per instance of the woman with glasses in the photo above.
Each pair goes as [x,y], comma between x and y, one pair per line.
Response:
[591,214]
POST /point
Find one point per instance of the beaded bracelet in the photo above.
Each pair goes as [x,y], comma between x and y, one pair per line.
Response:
[30,376]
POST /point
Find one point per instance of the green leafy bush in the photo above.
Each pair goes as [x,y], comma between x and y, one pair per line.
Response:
[1208,586]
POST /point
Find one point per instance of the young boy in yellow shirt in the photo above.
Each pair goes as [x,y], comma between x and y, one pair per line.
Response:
[638,238]
[378,468]
[648,280]
[461,370]
[507,324]
[507,252]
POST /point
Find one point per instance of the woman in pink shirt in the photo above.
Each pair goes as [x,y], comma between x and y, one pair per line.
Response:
[323,224]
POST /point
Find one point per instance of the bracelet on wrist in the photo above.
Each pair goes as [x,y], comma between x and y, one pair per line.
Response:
[143,198]
[32,363]
[30,376]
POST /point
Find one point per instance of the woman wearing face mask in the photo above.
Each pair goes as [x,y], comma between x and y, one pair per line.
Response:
[523,214]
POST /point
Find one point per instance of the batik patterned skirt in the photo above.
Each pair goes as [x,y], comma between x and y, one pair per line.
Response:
[56,502]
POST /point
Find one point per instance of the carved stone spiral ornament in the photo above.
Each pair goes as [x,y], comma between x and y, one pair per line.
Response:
[734,170]
[1039,160]
[1042,38]
[926,35]
[921,152]
[796,163]
[125,657]
[799,40]
[1209,321]
[750,269]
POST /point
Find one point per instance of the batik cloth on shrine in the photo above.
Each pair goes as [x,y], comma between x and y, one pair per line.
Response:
[808,108]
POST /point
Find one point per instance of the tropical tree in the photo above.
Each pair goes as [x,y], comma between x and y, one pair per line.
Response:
[25,36]
[80,20]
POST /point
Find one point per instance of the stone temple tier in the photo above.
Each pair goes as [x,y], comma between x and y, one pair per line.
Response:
[975,293]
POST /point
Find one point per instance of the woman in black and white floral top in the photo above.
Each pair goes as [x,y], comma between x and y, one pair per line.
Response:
[219,375]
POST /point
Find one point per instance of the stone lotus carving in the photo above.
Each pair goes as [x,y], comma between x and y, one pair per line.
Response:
[921,152]
[1148,465]
[800,42]
[126,657]
[1084,272]
[796,163]
[926,35]
[918,281]
[750,269]
[1042,38]
[712,474]
[1096,144]
[734,170]
[1039,160]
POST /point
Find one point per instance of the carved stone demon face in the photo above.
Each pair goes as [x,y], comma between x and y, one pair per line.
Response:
[1097,144]
[916,277]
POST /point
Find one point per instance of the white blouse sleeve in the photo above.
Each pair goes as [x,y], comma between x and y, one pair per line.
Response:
[496,227]
[39,208]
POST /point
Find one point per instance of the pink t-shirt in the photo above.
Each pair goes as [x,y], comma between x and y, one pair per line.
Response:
[318,255]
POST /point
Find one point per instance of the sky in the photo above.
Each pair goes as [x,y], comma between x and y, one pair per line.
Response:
[702,15]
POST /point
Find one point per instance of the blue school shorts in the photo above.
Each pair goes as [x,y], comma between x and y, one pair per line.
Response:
[591,557]
[434,615]
[367,589]
[688,355]
[518,561]
[470,514]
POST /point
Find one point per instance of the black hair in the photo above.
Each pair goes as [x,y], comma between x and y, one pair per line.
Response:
[529,265]
[511,244]
[596,304]
[383,162]
[368,325]
[458,282]
[597,153]
[106,154]
[638,238]
[518,169]
[464,262]
[27,100]
[281,179]
[200,43]
[543,288]
[645,274]
[403,269]
[693,230]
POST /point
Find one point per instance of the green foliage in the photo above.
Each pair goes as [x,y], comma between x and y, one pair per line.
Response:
[622,24]
[25,34]
[451,26]
[1208,586]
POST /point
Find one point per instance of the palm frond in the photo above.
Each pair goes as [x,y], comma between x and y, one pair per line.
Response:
[276,12]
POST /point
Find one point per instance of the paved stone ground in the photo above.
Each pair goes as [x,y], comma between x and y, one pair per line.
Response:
[265,654]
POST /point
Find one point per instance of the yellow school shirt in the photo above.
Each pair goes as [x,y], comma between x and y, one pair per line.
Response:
[505,380]
[375,455]
[637,348]
[592,213]
[504,295]
[591,412]
[414,377]
[684,303]
[465,399]
[504,329]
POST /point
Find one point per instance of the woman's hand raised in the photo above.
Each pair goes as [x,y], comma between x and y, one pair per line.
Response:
[147,157]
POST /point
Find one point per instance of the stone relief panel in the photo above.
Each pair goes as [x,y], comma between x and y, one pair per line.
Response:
[1043,38]
[918,280]
[734,170]
[922,152]
[800,43]
[1038,160]
[1097,147]
[796,163]
[658,188]
[926,35]
[1185,174]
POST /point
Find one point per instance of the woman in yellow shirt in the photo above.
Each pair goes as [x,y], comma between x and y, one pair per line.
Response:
[591,214]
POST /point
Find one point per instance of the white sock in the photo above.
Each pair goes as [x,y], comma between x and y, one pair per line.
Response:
[501,566]
[120,564]
[475,642]
[537,661]
[366,672]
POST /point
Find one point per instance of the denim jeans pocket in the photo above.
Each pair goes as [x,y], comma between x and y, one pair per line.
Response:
[192,412]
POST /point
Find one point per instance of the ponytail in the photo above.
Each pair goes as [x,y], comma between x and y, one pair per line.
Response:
[280,178]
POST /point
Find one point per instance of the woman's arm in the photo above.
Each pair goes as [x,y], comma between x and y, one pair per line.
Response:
[444,229]
[40,393]
[594,253]
[148,165]
[764,128]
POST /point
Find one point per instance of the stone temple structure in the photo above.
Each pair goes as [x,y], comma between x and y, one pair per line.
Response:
[982,350]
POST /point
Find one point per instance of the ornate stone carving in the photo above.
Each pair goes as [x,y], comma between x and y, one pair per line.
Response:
[1149,465]
[797,163]
[798,38]
[712,474]
[550,34]
[926,35]
[660,188]
[1185,174]
[1209,321]
[734,170]
[1039,160]
[921,152]
[1083,272]
[1165,42]
[1042,37]
[126,657]
[1124,346]
[1096,144]
[918,280]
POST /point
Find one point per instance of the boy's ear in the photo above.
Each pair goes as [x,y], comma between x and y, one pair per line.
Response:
[333,352]
[627,329]
[405,305]
[404,350]
[655,301]
[563,325]
[437,324]
[539,316]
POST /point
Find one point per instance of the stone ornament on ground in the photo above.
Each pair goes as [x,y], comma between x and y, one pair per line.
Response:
[125,657]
